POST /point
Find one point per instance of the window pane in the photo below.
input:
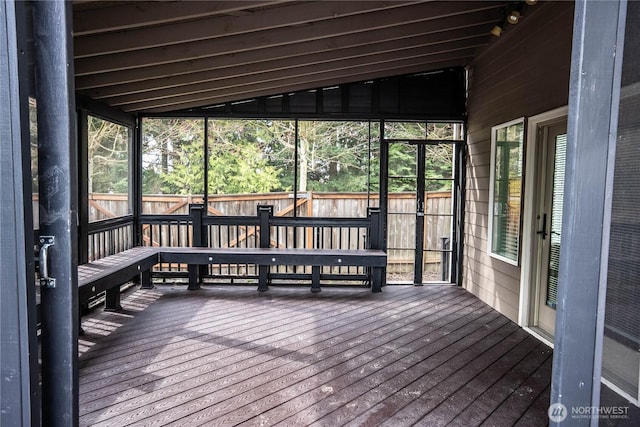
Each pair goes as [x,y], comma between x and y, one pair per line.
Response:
[506,183]
[405,130]
[251,162]
[108,157]
[338,157]
[172,165]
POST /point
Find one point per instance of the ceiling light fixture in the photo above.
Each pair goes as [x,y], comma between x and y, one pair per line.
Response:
[513,17]
[496,30]
[512,14]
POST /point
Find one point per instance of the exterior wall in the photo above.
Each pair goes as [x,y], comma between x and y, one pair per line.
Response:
[523,73]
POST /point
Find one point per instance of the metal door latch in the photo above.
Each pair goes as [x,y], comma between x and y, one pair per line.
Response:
[45,280]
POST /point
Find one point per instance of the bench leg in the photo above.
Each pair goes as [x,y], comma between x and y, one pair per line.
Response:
[263,278]
[112,299]
[377,273]
[315,278]
[84,307]
[145,280]
[194,277]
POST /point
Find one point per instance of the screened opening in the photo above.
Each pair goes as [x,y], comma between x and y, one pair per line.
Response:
[250,163]
[338,167]
[172,164]
[109,169]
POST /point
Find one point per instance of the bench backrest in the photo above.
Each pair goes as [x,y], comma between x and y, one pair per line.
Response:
[268,230]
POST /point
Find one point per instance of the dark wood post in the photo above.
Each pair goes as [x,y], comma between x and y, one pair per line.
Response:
[199,240]
[375,238]
[265,213]
[376,241]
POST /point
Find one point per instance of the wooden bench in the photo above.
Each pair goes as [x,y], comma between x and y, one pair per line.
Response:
[374,259]
[108,273]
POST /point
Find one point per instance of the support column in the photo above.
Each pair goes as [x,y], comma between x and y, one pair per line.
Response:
[57,170]
[593,104]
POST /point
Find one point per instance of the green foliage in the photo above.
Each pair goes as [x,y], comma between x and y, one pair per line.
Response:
[334,156]
[402,168]
[438,158]
[259,156]
[173,156]
[249,156]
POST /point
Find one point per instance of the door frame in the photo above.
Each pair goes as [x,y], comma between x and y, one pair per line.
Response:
[527,300]
[457,198]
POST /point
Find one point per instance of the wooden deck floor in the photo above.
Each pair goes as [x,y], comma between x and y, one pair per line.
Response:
[225,356]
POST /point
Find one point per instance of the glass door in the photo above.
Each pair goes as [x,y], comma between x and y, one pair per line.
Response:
[550,224]
[420,201]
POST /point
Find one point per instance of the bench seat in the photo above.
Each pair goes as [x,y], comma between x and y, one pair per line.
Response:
[264,257]
[108,273]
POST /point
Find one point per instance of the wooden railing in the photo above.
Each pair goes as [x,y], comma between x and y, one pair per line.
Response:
[267,229]
[165,221]
[110,236]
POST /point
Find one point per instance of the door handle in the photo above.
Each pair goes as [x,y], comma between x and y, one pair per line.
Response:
[45,243]
[543,232]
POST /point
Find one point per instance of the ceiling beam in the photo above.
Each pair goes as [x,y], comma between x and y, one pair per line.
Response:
[222,26]
[472,36]
[354,57]
[127,15]
[451,27]
[340,26]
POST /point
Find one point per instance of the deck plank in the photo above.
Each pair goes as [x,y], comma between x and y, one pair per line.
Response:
[432,355]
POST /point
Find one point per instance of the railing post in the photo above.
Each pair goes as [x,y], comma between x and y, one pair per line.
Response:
[375,232]
[376,241]
[199,240]
[265,213]
[198,236]
[444,258]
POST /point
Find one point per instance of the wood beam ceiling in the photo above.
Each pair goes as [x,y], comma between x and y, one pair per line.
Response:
[221,53]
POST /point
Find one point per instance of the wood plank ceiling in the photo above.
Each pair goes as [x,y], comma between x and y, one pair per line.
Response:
[176,55]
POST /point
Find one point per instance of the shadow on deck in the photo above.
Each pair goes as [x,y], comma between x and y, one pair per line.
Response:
[225,356]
